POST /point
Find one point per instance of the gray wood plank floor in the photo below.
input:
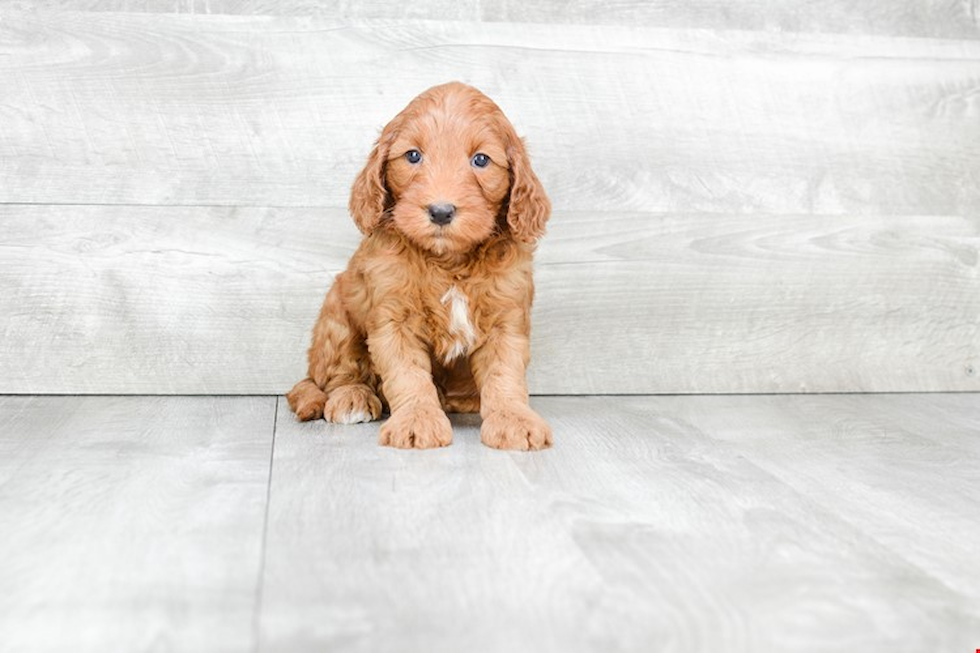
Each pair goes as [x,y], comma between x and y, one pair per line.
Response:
[131,523]
[678,523]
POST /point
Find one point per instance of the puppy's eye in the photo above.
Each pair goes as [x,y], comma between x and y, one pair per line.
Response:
[480,160]
[413,156]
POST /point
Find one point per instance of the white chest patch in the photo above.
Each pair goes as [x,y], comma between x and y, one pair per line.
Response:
[460,327]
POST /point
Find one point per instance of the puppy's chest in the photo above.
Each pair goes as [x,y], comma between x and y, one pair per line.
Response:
[453,329]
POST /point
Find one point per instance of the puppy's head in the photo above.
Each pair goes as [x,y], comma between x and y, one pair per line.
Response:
[449,171]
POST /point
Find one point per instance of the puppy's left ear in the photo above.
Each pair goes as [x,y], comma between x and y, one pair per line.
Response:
[529,207]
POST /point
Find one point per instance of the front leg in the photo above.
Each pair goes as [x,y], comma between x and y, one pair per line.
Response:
[499,368]
[401,359]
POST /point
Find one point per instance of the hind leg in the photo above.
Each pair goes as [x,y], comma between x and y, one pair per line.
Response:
[307,400]
[341,386]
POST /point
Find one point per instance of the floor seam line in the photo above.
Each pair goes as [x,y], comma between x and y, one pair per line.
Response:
[260,584]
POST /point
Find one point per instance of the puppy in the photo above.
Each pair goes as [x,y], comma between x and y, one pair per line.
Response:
[433,313]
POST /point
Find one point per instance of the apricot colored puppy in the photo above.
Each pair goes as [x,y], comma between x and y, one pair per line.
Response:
[433,312]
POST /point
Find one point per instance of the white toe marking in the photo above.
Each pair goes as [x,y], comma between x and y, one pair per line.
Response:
[356,417]
[459,323]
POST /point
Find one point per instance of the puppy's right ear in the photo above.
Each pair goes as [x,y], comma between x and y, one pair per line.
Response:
[369,196]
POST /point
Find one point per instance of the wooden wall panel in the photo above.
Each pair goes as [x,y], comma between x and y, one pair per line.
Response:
[265,111]
[923,18]
[221,300]
[785,201]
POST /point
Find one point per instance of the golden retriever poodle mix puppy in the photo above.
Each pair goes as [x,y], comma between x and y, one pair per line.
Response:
[433,312]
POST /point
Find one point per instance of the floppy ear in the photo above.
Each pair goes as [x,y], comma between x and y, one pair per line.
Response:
[529,207]
[369,197]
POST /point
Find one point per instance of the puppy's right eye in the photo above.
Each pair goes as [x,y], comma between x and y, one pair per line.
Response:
[413,156]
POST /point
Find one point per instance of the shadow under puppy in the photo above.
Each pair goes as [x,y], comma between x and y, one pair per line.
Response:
[433,312]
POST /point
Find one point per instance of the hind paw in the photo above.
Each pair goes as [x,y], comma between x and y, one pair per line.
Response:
[306,400]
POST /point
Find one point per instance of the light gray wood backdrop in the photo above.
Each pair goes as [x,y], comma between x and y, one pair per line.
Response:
[766,197]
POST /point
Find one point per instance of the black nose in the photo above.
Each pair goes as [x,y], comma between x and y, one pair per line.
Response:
[442,213]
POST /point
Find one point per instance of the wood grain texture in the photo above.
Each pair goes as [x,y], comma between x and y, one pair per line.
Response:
[864,460]
[787,523]
[138,108]
[933,18]
[222,300]
[738,210]
[131,524]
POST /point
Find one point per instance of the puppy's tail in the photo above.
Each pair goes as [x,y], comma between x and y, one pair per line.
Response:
[307,400]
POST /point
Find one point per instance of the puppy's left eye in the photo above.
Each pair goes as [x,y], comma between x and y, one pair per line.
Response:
[480,160]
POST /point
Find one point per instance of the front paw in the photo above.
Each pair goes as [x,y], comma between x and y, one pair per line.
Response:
[416,428]
[517,428]
[352,404]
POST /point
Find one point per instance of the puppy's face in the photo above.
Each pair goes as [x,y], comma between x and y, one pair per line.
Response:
[449,171]
[448,175]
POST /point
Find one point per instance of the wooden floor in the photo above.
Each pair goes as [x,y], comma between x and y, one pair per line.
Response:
[669,523]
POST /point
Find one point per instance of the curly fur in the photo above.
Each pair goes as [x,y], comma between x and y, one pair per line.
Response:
[429,318]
